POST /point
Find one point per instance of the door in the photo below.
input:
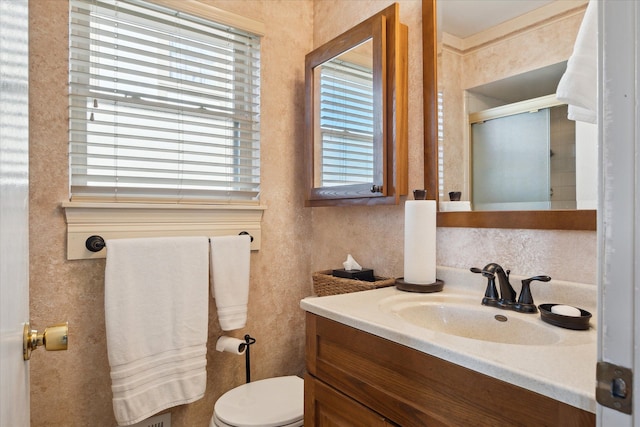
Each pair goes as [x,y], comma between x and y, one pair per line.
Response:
[14,196]
[619,199]
[511,163]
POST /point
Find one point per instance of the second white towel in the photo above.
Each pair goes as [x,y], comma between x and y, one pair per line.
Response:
[230,256]
[579,84]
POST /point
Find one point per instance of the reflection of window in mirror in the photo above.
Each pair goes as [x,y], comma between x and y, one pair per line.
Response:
[346,125]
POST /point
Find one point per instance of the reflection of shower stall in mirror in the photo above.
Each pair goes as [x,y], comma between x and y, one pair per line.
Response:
[524,157]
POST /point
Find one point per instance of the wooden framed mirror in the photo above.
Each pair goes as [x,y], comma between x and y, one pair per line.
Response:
[356,115]
[534,219]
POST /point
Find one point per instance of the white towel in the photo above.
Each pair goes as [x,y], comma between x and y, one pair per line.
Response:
[578,86]
[230,257]
[156,313]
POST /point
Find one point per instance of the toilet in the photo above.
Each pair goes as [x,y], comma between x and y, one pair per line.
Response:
[273,402]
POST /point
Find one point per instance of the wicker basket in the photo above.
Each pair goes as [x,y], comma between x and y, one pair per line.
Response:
[324,283]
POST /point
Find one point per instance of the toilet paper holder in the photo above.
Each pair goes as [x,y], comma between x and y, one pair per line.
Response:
[224,344]
[249,340]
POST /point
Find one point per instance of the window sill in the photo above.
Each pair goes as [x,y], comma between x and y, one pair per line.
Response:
[129,220]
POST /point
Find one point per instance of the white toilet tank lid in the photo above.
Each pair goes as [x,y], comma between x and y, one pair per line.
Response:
[266,403]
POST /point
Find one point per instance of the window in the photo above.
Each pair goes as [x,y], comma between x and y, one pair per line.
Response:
[163,105]
[346,123]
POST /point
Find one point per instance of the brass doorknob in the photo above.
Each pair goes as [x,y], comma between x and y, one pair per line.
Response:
[54,338]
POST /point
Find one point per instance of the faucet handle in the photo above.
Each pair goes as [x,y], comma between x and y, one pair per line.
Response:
[491,293]
[485,273]
[525,301]
[539,278]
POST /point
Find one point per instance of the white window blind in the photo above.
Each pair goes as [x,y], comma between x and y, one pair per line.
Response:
[346,123]
[163,105]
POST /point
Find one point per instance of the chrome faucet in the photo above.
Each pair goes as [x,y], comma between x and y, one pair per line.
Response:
[507,297]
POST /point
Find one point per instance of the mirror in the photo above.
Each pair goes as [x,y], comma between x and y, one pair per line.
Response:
[348,117]
[472,60]
[355,115]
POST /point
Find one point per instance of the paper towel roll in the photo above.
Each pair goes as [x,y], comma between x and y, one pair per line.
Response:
[231,345]
[420,241]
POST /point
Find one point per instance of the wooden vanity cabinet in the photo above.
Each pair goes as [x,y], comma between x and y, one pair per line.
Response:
[358,379]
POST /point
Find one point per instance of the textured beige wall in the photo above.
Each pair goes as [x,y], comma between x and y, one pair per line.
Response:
[72,388]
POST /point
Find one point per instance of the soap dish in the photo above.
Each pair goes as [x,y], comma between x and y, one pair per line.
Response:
[567,322]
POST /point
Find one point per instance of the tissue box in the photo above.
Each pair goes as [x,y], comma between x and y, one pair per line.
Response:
[325,283]
[364,274]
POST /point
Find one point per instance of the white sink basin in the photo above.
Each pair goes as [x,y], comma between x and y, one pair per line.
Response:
[465,317]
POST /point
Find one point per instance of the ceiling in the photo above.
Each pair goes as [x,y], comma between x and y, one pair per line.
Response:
[463,18]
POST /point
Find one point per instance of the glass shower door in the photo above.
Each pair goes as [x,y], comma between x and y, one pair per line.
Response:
[511,162]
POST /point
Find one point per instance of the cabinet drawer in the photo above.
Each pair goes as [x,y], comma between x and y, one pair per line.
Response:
[411,388]
[327,407]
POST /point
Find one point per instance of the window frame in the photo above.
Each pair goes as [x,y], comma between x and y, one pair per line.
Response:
[194,156]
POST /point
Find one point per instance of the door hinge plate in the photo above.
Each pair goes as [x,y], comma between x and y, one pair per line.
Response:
[614,387]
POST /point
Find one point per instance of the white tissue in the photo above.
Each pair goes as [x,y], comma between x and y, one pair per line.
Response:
[351,264]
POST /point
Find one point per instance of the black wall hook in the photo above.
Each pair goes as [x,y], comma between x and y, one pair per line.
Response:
[242,233]
[95,243]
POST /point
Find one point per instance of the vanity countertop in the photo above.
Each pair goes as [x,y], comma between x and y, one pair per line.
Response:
[562,372]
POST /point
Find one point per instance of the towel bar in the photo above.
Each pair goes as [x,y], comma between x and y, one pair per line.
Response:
[97,243]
